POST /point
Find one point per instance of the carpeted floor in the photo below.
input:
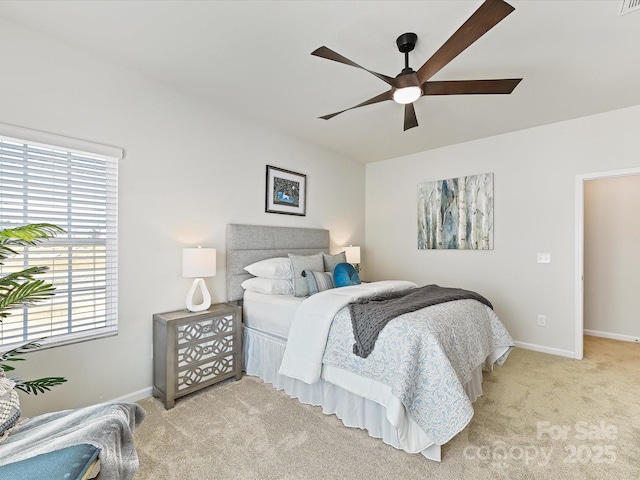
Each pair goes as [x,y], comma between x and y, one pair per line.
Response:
[541,416]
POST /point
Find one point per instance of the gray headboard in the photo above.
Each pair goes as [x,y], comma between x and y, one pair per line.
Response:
[247,244]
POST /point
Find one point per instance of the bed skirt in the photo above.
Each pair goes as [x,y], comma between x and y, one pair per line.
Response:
[262,357]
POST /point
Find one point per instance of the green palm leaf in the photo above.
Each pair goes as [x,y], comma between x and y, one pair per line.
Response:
[12,355]
[23,288]
[26,293]
[40,385]
[30,233]
[25,235]
[12,279]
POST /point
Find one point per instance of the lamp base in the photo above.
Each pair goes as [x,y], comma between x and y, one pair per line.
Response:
[198,283]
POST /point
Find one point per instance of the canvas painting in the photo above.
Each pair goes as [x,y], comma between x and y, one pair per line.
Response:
[456,213]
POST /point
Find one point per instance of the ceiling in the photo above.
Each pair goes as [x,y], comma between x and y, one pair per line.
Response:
[252,59]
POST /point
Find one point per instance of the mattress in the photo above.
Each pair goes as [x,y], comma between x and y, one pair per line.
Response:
[269,313]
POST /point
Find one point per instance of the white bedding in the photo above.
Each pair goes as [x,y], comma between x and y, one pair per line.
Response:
[346,395]
[309,331]
[269,313]
[300,372]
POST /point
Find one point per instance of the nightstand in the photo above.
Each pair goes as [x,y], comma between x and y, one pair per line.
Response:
[192,350]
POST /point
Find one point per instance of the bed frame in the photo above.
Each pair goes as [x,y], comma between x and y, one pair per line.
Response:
[247,244]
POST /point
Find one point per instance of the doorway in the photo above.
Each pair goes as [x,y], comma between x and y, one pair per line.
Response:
[579,260]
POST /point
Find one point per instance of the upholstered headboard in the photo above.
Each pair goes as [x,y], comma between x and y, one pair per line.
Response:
[247,244]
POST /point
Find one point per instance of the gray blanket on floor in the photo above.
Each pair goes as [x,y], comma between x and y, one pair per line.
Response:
[370,315]
[108,426]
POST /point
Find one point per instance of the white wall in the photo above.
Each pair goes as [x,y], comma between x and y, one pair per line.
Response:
[535,173]
[188,171]
[612,256]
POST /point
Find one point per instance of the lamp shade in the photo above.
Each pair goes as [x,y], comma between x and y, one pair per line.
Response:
[353,254]
[198,262]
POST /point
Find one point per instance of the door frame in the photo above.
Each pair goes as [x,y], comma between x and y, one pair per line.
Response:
[579,261]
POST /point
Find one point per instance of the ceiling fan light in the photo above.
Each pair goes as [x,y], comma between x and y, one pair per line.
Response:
[407,94]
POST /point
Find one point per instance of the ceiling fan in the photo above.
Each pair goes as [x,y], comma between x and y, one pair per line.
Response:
[410,85]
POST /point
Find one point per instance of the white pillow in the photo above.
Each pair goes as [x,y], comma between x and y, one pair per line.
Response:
[279,268]
[268,286]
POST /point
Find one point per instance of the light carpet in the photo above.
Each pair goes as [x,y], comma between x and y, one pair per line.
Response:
[541,416]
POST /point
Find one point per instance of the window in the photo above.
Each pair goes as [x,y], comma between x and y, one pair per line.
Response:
[45,178]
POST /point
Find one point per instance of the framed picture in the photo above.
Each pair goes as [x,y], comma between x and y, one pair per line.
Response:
[286,192]
[456,213]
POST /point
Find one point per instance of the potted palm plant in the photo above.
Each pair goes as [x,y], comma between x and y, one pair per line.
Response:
[23,288]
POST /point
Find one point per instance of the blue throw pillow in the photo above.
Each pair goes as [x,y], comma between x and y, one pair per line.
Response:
[344,275]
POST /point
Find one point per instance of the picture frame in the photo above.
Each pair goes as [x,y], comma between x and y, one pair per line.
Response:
[456,213]
[286,192]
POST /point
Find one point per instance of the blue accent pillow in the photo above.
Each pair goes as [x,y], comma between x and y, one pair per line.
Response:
[345,275]
[64,464]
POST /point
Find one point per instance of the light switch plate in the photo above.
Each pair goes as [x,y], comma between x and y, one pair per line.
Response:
[544,257]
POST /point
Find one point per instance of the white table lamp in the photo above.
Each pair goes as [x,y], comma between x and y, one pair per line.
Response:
[353,256]
[198,263]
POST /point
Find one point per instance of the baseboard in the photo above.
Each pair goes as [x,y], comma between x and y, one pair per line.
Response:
[147,392]
[543,349]
[135,396]
[612,336]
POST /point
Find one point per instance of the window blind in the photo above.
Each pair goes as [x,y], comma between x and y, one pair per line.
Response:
[76,190]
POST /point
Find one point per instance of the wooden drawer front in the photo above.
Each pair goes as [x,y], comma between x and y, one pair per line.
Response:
[200,352]
[192,332]
[208,371]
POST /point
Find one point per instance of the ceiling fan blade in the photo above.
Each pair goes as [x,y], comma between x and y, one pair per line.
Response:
[487,16]
[470,87]
[410,119]
[329,54]
[378,98]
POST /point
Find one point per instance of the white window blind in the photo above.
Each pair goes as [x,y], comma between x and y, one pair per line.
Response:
[77,191]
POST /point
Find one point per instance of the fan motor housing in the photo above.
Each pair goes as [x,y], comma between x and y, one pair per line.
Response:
[407,79]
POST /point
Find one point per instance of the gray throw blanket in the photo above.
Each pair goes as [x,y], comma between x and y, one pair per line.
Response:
[370,315]
[108,426]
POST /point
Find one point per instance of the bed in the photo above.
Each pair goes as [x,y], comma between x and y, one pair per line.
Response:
[303,346]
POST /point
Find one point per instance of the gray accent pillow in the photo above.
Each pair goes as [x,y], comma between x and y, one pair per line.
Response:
[318,281]
[300,263]
[330,261]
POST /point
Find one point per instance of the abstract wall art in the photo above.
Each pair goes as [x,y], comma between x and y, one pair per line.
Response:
[456,213]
